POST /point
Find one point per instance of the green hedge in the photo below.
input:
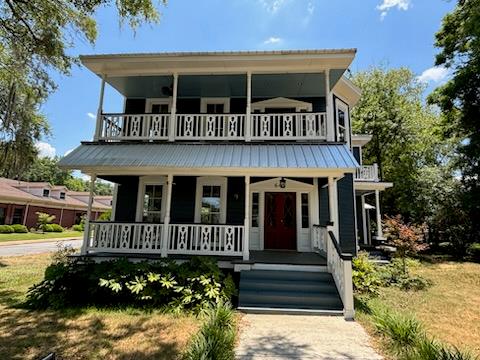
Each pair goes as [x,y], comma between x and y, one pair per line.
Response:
[6,229]
[52,228]
[19,228]
[78,227]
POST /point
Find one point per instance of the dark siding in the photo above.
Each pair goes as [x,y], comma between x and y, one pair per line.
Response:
[238,105]
[235,200]
[135,106]
[359,214]
[188,106]
[346,214]
[356,154]
[183,199]
[323,199]
[126,198]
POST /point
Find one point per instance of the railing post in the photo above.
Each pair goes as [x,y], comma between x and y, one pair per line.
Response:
[348,304]
[166,221]
[99,124]
[248,124]
[173,111]
[375,172]
[329,106]
[246,225]
[86,233]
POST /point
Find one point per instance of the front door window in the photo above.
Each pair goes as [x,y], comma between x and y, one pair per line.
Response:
[152,203]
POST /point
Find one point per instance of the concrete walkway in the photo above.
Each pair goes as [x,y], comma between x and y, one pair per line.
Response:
[269,337]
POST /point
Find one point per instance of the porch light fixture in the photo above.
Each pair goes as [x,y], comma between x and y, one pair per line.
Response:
[283,183]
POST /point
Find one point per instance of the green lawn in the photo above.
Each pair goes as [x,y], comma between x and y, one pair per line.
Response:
[83,333]
[35,236]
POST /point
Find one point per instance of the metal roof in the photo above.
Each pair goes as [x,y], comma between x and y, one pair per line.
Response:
[205,156]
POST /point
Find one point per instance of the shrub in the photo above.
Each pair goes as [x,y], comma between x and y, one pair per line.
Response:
[77,227]
[47,228]
[216,339]
[44,219]
[397,273]
[430,349]
[6,229]
[57,228]
[365,276]
[105,216]
[474,251]
[19,228]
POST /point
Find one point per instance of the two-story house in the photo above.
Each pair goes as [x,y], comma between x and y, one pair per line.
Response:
[244,156]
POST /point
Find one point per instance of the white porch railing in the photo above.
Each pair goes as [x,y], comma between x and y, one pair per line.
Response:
[198,239]
[125,237]
[289,126]
[210,126]
[319,238]
[134,127]
[367,173]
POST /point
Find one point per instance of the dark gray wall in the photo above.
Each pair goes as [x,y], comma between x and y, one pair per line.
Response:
[346,214]
[134,106]
[183,199]
[323,199]
[126,197]
[356,154]
[236,200]
[359,214]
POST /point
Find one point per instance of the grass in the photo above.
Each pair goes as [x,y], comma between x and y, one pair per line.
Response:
[448,310]
[39,236]
[83,333]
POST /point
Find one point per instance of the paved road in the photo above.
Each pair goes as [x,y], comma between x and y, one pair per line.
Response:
[268,337]
[35,248]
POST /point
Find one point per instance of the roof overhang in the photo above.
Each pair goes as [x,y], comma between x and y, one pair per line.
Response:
[361,139]
[347,91]
[298,160]
[367,187]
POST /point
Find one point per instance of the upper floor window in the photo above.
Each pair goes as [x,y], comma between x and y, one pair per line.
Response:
[215,105]
[46,192]
[157,106]
[152,203]
[211,200]
[342,122]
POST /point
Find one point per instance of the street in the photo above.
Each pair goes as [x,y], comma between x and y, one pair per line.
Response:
[35,248]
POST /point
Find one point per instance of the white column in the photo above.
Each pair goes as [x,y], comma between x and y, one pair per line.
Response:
[248,124]
[333,204]
[25,216]
[114,202]
[379,215]
[329,108]
[246,225]
[364,221]
[166,221]
[86,234]
[173,111]
[99,125]
[348,304]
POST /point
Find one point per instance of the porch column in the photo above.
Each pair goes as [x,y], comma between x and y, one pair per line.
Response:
[248,124]
[246,224]
[99,125]
[25,216]
[173,111]
[86,234]
[379,215]
[364,220]
[114,202]
[333,204]
[166,221]
[329,108]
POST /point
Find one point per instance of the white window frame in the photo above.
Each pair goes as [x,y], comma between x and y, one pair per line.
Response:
[211,181]
[142,183]
[64,195]
[157,101]
[340,105]
[281,102]
[48,192]
[204,101]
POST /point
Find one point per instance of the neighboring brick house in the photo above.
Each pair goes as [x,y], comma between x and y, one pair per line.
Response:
[21,200]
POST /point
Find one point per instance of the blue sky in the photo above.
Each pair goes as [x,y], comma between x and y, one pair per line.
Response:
[390,32]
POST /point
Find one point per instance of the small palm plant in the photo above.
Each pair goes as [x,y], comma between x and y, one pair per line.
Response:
[44,219]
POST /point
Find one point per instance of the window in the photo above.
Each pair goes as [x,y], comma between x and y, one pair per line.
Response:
[46,193]
[152,203]
[2,215]
[255,207]
[17,217]
[62,195]
[304,208]
[210,204]
[215,105]
[159,109]
[157,106]
[215,108]
[342,122]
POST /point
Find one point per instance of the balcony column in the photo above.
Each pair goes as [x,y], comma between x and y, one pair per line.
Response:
[364,220]
[329,108]
[173,112]
[86,233]
[166,221]
[333,205]
[98,126]
[248,123]
[379,215]
[246,224]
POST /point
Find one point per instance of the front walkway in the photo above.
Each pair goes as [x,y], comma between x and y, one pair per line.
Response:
[269,337]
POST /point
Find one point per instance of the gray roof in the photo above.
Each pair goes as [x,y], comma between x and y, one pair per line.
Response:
[189,155]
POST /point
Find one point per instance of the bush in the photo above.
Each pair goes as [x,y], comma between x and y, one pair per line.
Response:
[192,285]
[6,229]
[44,219]
[397,273]
[57,228]
[105,216]
[19,228]
[474,251]
[365,276]
[216,339]
[78,227]
[47,228]
[430,349]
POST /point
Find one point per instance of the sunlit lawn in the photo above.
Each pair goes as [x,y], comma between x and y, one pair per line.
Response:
[80,334]
[40,236]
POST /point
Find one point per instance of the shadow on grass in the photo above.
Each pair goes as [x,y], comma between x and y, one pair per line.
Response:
[361,304]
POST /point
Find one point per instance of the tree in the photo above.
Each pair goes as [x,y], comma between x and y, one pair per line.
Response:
[47,170]
[459,44]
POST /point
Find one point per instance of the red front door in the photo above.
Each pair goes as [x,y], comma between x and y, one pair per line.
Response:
[280,221]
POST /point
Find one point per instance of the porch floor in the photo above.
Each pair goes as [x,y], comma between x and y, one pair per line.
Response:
[287,257]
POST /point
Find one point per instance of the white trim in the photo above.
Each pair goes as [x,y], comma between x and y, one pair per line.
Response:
[157,101]
[142,182]
[341,105]
[281,102]
[204,101]
[211,181]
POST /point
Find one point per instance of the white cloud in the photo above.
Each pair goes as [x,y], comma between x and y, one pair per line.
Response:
[386,5]
[45,149]
[91,115]
[272,6]
[434,74]
[273,40]
[310,8]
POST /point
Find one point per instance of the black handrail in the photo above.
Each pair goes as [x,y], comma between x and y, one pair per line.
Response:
[343,256]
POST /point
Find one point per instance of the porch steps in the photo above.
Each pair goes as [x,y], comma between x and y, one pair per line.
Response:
[289,292]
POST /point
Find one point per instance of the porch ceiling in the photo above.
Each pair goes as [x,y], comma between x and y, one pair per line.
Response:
[235,159]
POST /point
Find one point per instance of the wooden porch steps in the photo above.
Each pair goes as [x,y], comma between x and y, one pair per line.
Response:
[268,291]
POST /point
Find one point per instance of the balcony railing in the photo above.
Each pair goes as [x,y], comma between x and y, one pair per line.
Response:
[154,127]
[188,239]
[367,173]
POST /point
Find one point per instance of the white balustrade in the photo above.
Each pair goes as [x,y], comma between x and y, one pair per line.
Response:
[210,126]
[134,127]
[289,126]
[319,238]
[367,173]
[125,237]
[199,239]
